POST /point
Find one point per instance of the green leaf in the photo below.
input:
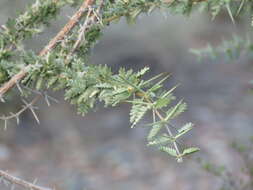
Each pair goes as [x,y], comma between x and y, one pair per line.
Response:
[162,102]
[158,85]
[186,128]
[51,81]
[169,92]
[190,151]
[176,110]
[161,140]
[137,112]
[169,151]
[39,83]
[142,72]
[154,131]
[152,79]
[3,75]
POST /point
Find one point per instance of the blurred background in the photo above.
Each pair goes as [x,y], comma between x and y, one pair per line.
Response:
[100,151]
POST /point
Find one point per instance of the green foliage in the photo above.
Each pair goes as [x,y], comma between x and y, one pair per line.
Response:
[231,49]
[66,67]
[85,85]
[26,25]
[3,75]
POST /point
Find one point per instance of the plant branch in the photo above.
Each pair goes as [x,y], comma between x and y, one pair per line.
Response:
[93,16]
[67,28]
[156,112]
[16,115]
[51,45]
[168,130]
[170,133]
[17,181]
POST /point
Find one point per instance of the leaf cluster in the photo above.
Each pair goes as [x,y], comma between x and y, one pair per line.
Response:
[85,85]
[238,11]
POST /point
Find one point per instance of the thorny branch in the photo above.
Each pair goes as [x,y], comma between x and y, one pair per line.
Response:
[88,22]
[17,114]
[51,45]
[67,28]
[17,181]
[63,32]
[16,78]
[26,105]
[91,18]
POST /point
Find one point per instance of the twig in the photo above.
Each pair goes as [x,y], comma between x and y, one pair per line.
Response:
[67,28]
[43,94]
[171,134]
[21,182]
[51,45]
[156,112]
[27,105]
[93,16]
[16,115]
[81,33]
[30,107]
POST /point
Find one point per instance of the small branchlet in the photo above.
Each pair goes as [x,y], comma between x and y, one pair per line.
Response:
[12,182]
[28,106]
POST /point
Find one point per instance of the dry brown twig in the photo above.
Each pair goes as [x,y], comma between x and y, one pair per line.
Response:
[17,114]
[93,16]
[17,181]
